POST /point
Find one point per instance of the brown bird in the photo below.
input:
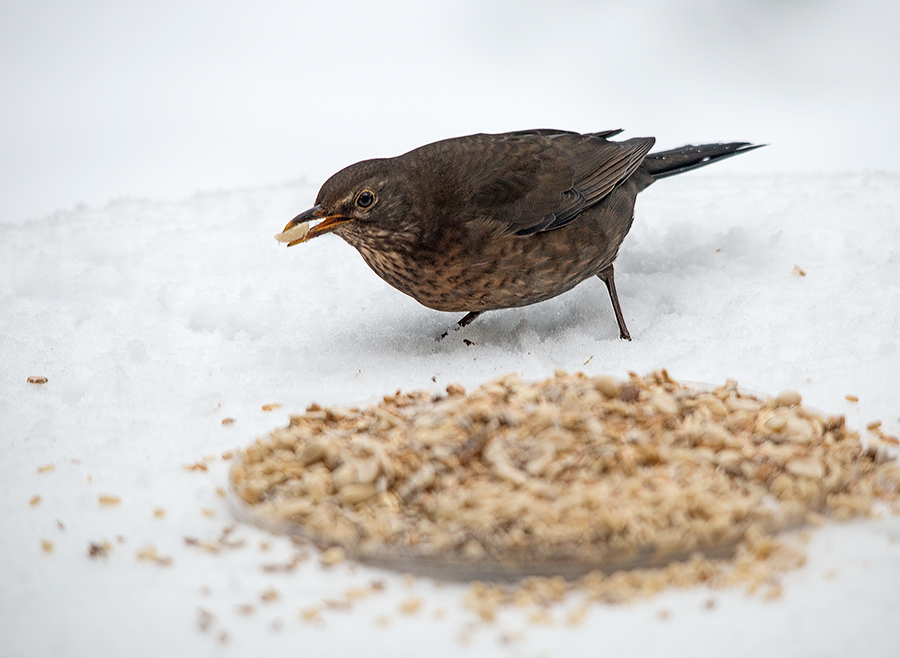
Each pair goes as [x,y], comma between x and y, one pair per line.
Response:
[485,222]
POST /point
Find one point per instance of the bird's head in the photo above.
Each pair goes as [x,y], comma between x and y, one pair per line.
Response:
[359,203]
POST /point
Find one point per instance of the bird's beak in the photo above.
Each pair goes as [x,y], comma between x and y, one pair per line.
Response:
[327,225]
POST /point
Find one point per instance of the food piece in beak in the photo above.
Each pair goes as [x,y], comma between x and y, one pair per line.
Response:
[296,232]
[298,229]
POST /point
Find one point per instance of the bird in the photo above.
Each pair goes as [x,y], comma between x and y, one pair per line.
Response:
[494,221]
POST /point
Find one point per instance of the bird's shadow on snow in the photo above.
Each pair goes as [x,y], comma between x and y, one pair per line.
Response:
[393,333]
[658,272]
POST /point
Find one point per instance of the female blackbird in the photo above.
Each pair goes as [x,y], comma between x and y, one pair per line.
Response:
[485,222]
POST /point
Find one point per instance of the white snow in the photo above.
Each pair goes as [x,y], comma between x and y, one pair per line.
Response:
[154,321]
[155,310]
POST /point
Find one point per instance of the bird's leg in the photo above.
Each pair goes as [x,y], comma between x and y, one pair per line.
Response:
[467,319]
[608,277]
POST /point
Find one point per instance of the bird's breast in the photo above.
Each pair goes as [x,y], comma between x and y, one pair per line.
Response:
[489,272]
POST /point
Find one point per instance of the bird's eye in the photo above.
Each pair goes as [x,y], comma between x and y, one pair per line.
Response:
[365,199]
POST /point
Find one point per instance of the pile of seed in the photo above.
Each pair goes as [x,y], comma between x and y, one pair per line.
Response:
[561,477]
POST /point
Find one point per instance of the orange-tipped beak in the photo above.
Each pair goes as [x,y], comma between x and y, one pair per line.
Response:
[327,225]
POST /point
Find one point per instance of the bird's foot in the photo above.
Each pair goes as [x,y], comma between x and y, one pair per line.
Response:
[464,322]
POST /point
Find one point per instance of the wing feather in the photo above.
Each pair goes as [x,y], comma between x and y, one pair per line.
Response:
[524,182]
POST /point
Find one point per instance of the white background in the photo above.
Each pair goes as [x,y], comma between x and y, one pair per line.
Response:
[103,100]
[148,156]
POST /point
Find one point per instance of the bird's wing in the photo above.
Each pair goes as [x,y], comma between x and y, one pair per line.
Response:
[537,181]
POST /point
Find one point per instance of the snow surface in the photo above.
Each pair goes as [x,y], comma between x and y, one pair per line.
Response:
[154,321]
[159,314]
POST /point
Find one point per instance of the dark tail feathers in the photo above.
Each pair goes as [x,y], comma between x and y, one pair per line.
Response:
[676,161]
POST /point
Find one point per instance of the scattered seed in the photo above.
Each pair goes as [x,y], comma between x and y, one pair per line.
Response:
[575,616]
[286,567]
[874,425]
[228,421]
[851,398]
[411,606]
[205,619]
[271,407]
[36,379]
[798,271]
[805,467]
[332,556]
[352,494]
[629,392]
[773,592]
[147,553]
[35,500]
[159,512]
[47,545]
[787,399]
[269,595]
[575,469]
[151,554]
[101,549]
[108,499]
[46,468]
[542,616]
[455,389]
[815,519]
[310,614]
[664,403]
[357,593]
